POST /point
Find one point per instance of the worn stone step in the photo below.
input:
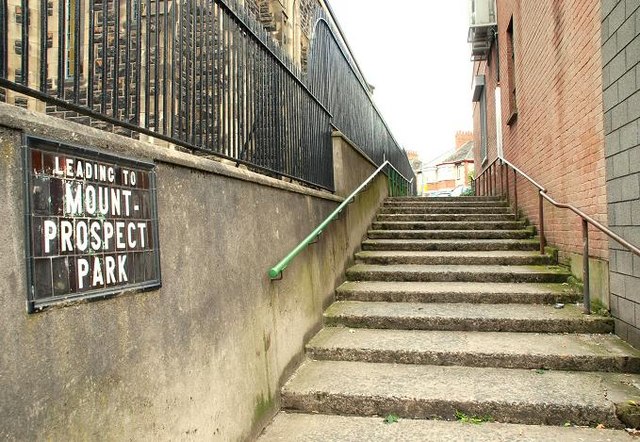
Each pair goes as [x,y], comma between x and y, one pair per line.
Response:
[445,204]
[428,391]
[465,317]
[448,225]
[450,234]
[465,292]
[288,427]
[451,244]
[500,257]
[460,199]
[445,273]
[451,210]
[445,217]
[575,352]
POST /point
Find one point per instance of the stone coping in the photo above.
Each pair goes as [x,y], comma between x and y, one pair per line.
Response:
[64,131]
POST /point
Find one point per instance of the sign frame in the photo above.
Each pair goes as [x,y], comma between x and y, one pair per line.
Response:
[31,142]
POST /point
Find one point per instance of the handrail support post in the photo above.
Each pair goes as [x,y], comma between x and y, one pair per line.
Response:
[541,220]
[585,267]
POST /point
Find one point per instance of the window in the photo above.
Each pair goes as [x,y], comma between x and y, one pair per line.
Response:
[511,62]
[72,43]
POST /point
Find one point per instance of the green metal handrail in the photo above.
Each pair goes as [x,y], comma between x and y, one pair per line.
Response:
[396,188]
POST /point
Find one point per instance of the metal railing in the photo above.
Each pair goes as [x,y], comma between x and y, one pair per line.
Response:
[487,184]
[200,74]
[399,185]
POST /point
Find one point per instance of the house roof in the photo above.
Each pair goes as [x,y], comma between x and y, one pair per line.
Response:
[465,153]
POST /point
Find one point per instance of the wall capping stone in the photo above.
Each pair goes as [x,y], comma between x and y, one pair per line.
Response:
[56,129]
[338,134]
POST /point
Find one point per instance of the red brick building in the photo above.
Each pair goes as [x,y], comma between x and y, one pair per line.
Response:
[538,102]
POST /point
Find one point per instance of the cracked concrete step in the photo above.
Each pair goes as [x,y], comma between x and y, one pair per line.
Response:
[450,234]
[575,352]
[446,199]
[287,427]
[526,318]
[427,391]
[500,257]
[441,210]
[461,273]
[451,244]
[453,292]
[448,225]
[445,217]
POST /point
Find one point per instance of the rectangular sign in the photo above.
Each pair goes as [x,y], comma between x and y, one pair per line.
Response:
[92,223]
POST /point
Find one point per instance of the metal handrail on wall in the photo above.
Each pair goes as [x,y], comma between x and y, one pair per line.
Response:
[487,184]
[399,185]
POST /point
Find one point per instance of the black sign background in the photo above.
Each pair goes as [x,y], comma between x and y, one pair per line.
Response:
[91,223]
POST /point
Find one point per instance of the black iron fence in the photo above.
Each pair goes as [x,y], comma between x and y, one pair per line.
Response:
[200,74]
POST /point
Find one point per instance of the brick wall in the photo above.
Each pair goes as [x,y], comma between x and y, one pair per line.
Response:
[621,85]
[557,136]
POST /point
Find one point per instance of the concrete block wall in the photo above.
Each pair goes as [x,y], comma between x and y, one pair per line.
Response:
[621,103]
[201,358]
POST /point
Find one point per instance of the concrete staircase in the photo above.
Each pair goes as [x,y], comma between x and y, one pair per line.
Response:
[446,329]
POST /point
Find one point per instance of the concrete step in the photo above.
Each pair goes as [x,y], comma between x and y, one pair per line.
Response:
[426,391]
[450,234]
[450,244]
[452,292]
[445,217]
[575,352]
[445,204]
[448,225]
[500,257]
[458,199]
[452,210]
[460,273]
[288,427]
[465,317]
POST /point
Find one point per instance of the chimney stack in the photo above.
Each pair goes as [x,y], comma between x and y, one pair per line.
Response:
[463,138]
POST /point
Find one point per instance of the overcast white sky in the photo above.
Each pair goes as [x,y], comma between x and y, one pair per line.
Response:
[415,53]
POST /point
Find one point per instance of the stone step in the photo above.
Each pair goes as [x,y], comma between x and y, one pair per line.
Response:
[456,292]
[445,204]
[450,234]
[465,317]
[574,352]
[444,392]
[500,257]
[448,225]
[460,273]
[332,428]
[460,199]
[450,244]
[441,210]
[446,217]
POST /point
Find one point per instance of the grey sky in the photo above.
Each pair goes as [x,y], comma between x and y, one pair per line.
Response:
[415,53]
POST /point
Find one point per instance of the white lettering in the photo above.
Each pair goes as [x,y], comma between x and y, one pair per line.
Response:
[50,232]
[133,178]
[127,202]
[95,228]
[120,244]
[131,230]
[122,273]
[69,167]
[73,202]
[83,271]
[90,200]
[111,175]
[142,227]
[98,278]
[66,233]
[110,266]
[103,200]
[125,176]
[115,202]
[108,234]
[82,235]
[56,169]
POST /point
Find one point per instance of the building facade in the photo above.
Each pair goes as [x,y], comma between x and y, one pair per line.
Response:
[451,171]
[538,102]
